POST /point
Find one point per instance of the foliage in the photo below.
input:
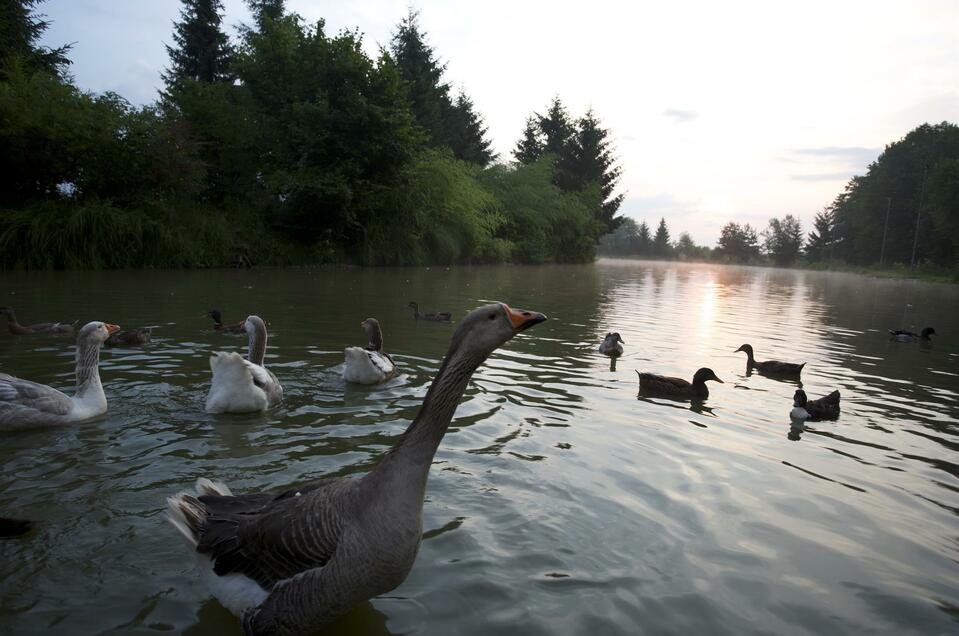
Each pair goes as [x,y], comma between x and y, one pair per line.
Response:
[529,148]
[202,51]
[686,249]
[821,238]
[20,31]
[783,239]
[662,247]
[738,243]
[266,11]
[907,177]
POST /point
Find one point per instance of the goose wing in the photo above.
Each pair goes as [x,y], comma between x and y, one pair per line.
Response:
[272,538]
[264,378]
[383,362]
[21,398]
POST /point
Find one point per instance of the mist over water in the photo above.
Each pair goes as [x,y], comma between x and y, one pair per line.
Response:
[560,501]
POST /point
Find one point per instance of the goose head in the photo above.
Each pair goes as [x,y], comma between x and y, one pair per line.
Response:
[96,332]
[486,328]
[705,374]
[254,326]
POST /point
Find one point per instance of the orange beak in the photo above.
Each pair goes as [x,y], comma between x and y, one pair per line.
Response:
[111,329]
[523,319]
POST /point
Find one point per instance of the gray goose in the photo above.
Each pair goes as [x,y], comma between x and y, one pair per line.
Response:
[42,327]
[290,563]
[243,386]
[25,404]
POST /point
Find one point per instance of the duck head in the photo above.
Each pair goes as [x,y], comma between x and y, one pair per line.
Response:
[799,398]
[215,315]
[747,348]
[705,374]
[615,337]
[926,332]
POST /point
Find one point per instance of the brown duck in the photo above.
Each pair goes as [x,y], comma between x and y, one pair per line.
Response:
[769,366]
[218,325]
[678,387]
[42,327]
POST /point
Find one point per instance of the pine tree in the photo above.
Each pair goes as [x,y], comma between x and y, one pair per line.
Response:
[202,52]
[821,238]
[557,129]
[588,159]
[645,239]
[266,11]
[530,147]
[467,133]
[20,31]
[661,242]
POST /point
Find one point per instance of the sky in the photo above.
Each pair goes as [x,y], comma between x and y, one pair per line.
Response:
[719,111]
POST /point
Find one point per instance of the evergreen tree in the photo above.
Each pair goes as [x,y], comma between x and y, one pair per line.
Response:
[202,52]
[588,160]
[661,245]
[821,238]
[266,11]
[557,129]
[530,147]
[20,31]
[645,239]
[467,133]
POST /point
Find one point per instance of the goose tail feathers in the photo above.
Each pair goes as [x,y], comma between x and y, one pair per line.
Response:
[188,514]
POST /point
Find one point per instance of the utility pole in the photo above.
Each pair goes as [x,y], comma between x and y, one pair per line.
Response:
[885,228]
[915,238]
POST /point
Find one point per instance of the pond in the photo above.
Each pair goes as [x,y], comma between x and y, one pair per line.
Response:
[560,501]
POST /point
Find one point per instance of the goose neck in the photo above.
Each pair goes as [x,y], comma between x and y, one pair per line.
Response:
[257,344]
[88,370]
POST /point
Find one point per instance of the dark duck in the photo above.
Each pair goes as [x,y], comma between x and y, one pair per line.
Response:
[825,408]
[902,335]
[132,338]
[218,325]
[770,366]
[439,316]
[678,387]
[612,345]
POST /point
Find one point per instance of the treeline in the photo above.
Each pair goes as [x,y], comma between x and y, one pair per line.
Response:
[903,212]
[283,145]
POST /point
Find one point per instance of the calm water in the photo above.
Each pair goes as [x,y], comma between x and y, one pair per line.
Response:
[558,503]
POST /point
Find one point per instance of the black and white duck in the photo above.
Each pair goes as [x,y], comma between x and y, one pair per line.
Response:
[291,562]
[770,366]
[903,335]
[825,408]
[678,387]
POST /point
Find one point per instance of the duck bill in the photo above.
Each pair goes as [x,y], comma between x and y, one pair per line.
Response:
[718,380]
[112,329]
[523,319]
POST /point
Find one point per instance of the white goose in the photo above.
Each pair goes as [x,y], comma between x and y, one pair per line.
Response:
[369,365]
[243,386]
[25,404]
[289,563]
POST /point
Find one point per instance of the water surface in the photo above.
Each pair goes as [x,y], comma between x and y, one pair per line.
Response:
[560,502]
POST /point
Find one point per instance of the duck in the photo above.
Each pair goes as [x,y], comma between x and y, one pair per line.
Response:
[369,365]
[440,316]
[243,385]
[238,328]
[10,528]
[289,563]
[132,338]
[678,387]
[612,345]
[902,335]
[825,408]
[43,327]
[26,405]
[770,366]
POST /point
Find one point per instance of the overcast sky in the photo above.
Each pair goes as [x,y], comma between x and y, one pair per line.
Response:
[719,110]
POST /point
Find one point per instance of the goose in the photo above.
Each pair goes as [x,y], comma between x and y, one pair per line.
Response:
[440,316]
[218,325]
[25,404]
[10,528]
[902,335]
[243,386]
[825,408]
[678,387]
[369,365]
[770,366]
[133,338]
[43,327]
[289,563]
[612,345]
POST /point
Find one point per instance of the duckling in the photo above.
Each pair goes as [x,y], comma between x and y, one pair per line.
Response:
[902,335]
[612,345]
[825,408]
[770,366]
[678,387]
[440,316]
[133,338]
[218,325]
